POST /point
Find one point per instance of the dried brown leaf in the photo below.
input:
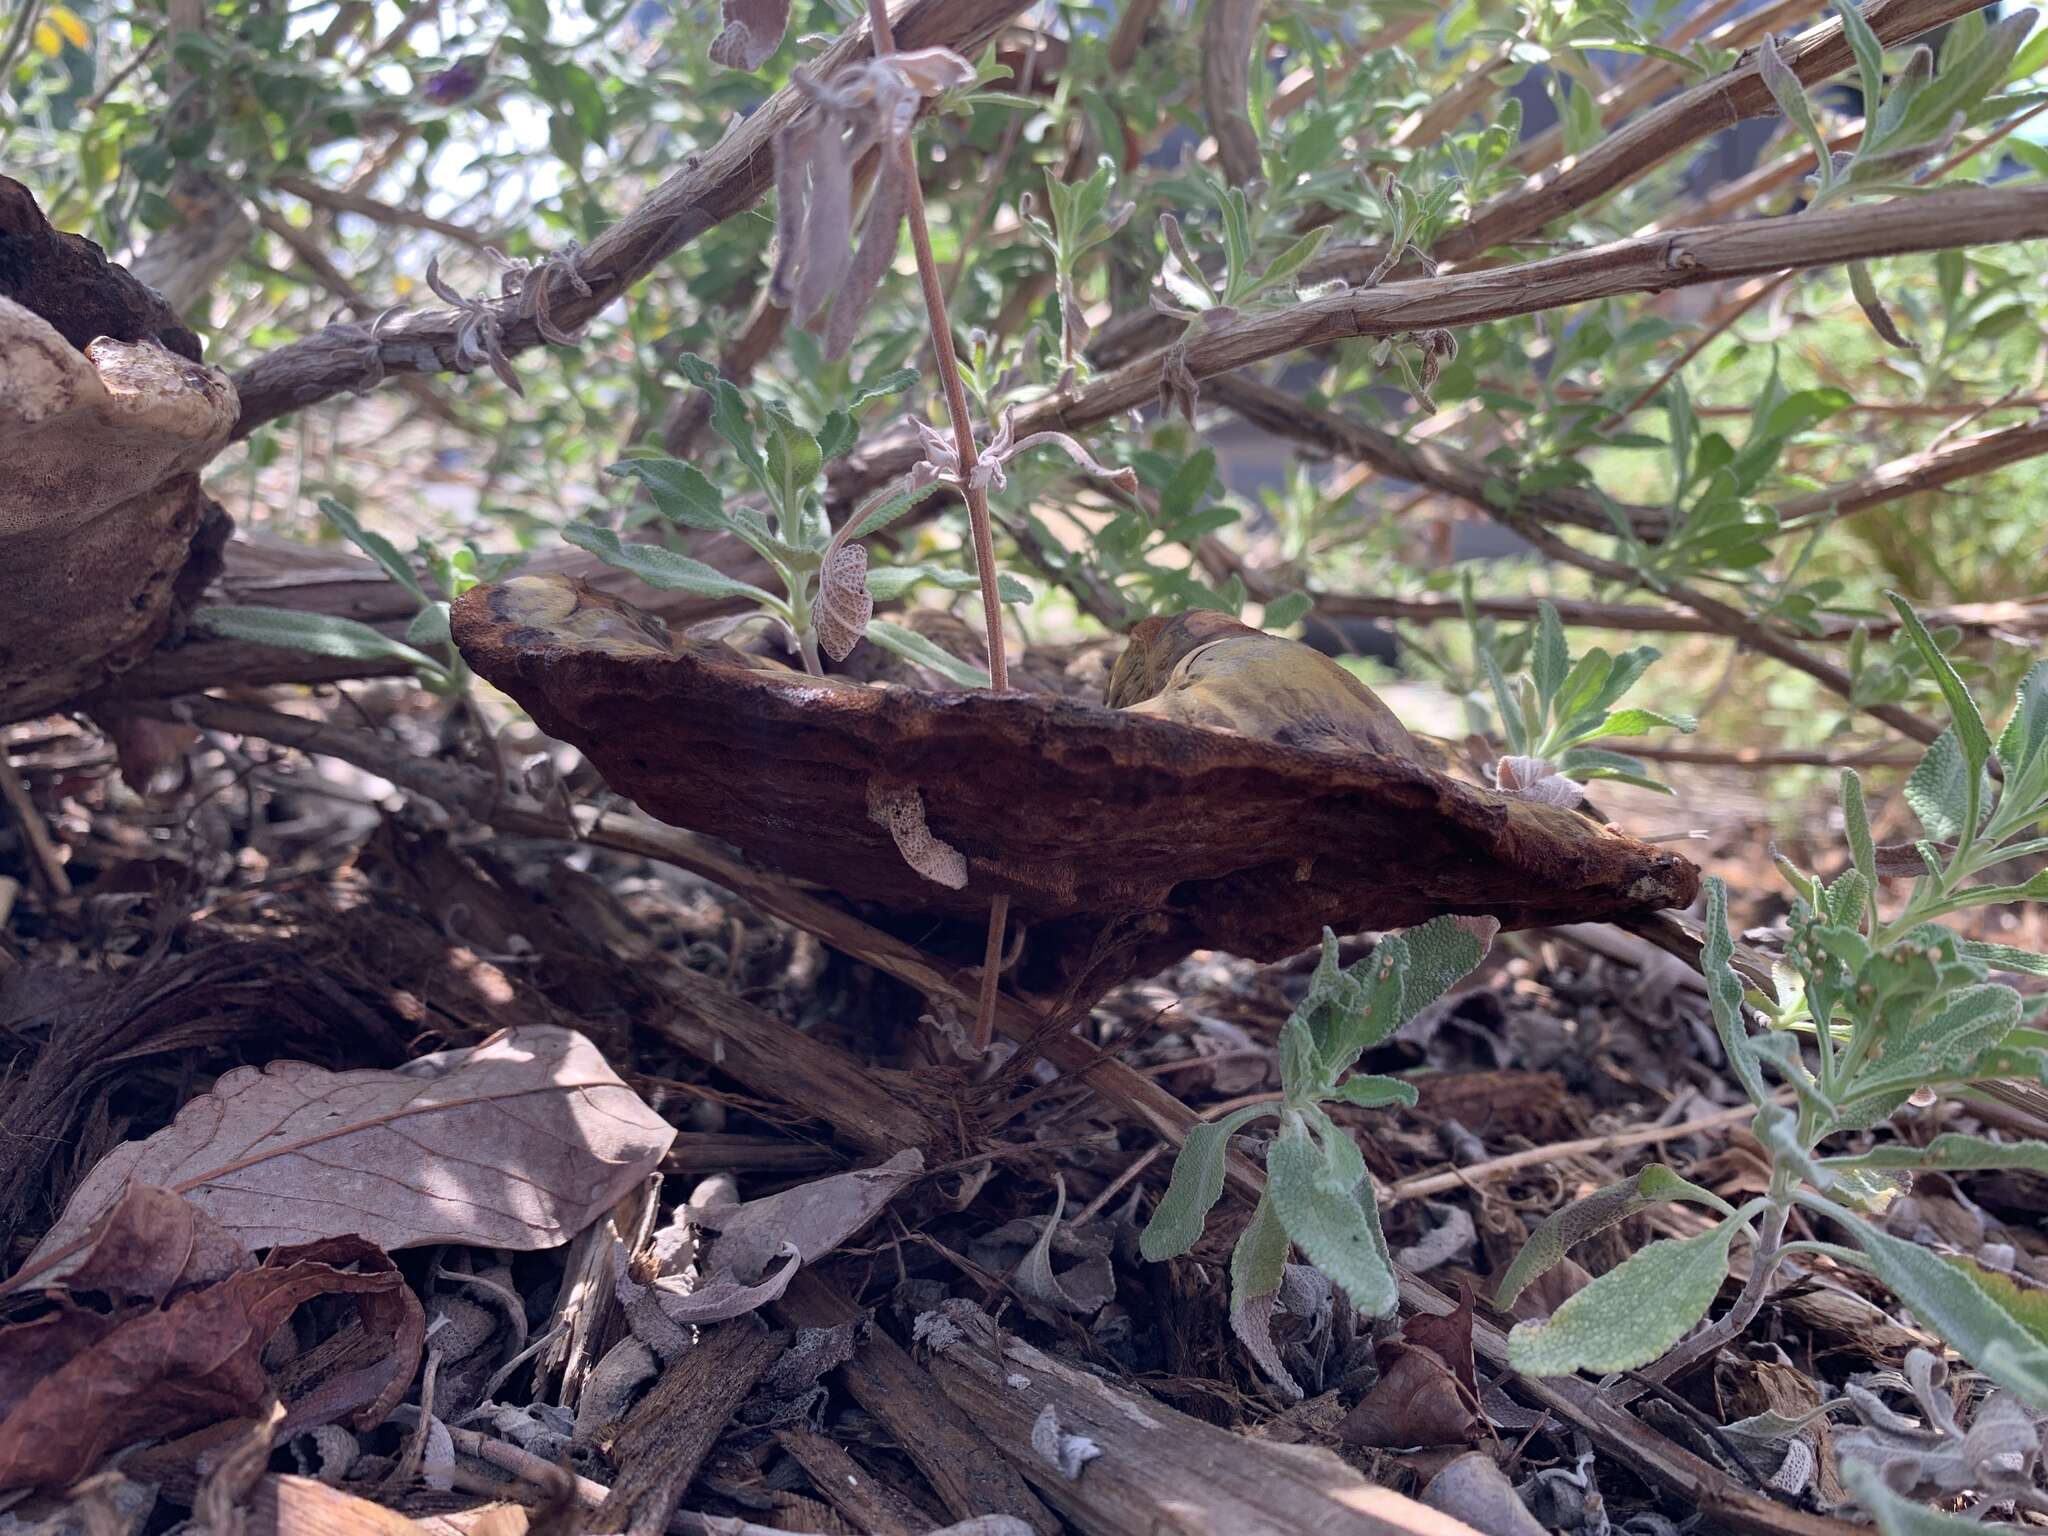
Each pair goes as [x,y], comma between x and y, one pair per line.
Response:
[815,1217]
[199,1360]
[1227,41]
[519,1142]
[1416,1401]
[844,606]
[753,31]
[886,208]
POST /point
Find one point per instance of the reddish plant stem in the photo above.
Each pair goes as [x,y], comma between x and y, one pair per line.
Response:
[975,496]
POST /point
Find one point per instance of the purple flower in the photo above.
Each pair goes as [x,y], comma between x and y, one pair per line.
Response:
[454,83]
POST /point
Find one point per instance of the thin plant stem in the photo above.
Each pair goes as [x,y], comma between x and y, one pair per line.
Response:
[975,496]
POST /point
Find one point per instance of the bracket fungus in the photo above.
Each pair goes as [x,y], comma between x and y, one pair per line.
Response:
[1084,816]
[106,416]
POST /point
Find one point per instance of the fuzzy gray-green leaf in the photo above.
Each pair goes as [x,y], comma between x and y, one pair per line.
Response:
[1335,1224]
[1196,1186]
[1967,1307]
[1632,1314]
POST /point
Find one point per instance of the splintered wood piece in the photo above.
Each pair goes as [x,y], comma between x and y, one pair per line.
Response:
[1083,816]
[660,1445]
[863,1499]
[940,1439]
[1157,1471]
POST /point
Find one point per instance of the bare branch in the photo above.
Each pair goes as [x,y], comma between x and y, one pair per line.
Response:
[2022,616]
[1938,221]
[336,201]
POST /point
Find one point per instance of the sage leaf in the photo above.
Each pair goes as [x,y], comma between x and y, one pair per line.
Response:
[1724,993]
[1980,1319]
[662,568]
[1195,1186]
[1951,1151]
[1565,1229]
[317,634]
[1969,725]
[1632,1314]
[1328,1219]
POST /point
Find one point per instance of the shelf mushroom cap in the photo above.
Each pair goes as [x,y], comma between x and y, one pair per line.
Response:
[1084,816]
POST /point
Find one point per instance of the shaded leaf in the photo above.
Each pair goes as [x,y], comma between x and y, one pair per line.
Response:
[515,1143]
[1195,1186]
[199,1360]
[1334,1221]
[660,567]
[815,1218]
[1566,1228]
[317,634]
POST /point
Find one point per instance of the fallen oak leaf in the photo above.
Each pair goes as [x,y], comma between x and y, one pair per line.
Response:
[519,1142]
[199,1360]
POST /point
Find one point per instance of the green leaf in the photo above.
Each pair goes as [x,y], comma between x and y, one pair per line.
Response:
[1286,611]
[1189,484]
[429,626]
[1952,1150]
[1989,1323]
[1334,1221]
[1944,1046]
[1566,1228]
[2025,735]
[1632,1314]
[1790,95]
[1442,951]
[912,646]
[893,382]
[1868,50]
[836,433]
[1195,1187]
[1856,822]
[1511,722]
[1370,1090]
[1294,258]
[882,511]
[1724,993]
[1639,722]
[1938,789]
[1969,725]
[662,568]
[375,545]
[1552,658]
[317,634]
[794,459]
[2005,957]
[729,417]
[680,492]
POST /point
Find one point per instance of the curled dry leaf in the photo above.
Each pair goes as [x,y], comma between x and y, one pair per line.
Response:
[77,1385]
[519,1142]
[1227,41]
[844,606]
[815,1218]
[902,812]
[866,104]
[753,31]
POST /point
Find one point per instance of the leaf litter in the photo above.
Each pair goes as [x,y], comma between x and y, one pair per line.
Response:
[1022,1201]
